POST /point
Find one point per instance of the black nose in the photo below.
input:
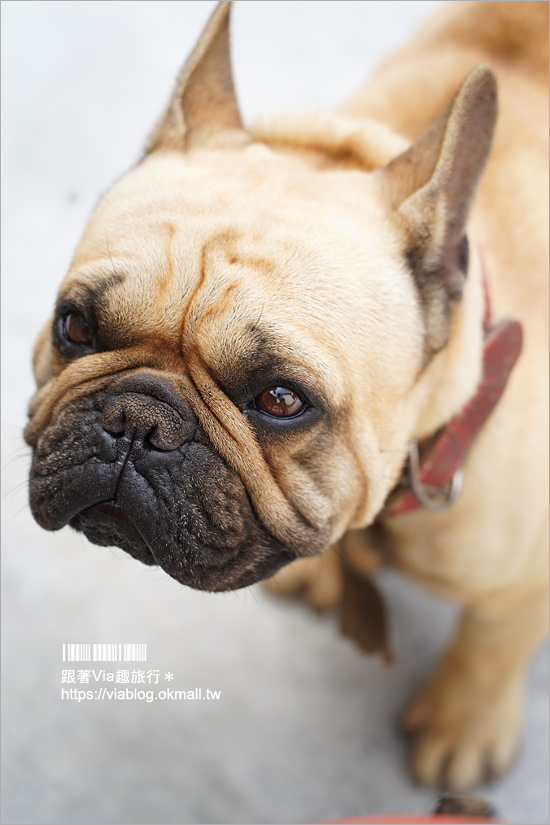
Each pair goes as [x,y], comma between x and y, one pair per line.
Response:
[142,417]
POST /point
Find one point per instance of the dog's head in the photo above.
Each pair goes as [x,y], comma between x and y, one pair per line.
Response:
[243,344]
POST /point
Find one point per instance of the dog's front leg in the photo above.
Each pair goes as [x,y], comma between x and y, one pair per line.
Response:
[466,719]
[315,580]
[319,581]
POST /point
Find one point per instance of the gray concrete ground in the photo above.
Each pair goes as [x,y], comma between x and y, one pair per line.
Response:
[304,728]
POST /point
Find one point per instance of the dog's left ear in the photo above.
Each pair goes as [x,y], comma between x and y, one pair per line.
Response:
[429,189]
[203,106]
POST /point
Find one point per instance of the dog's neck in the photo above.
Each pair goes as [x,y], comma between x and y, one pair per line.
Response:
[433,475]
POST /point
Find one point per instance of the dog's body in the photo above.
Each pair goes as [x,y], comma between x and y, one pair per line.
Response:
[513,40]
[322,262]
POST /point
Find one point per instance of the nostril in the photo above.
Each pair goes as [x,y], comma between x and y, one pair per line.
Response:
[164,438]
[154,439]
[114,421]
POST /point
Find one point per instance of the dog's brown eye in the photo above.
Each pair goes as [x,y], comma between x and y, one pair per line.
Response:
[77,329]
[279,402]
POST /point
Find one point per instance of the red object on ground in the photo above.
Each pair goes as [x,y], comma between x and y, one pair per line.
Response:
[428,819]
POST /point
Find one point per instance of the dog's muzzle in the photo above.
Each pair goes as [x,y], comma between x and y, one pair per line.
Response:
[130,465]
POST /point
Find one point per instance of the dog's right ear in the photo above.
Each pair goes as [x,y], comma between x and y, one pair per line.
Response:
[429,190]
[203,107]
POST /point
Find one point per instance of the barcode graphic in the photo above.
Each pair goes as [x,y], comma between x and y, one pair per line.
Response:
[104,652]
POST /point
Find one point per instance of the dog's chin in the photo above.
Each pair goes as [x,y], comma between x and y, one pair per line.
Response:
[107,525]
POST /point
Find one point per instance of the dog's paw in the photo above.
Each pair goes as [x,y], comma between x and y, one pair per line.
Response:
[316,581]
[465,732]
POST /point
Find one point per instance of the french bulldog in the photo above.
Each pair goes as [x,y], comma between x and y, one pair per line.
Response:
[264,331]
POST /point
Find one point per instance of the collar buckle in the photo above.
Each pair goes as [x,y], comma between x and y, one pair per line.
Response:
[437,499]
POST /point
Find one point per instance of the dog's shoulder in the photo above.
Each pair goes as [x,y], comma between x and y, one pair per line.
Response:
[413,86]
[503,32]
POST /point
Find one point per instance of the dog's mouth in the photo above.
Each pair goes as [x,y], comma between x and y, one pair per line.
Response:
[108,525]
[199,545]
[112,509]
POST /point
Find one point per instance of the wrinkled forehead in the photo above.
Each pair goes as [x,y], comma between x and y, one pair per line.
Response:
[214,247]
[171,215]
[180,226]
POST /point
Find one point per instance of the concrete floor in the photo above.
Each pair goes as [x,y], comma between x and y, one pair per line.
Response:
[304,728]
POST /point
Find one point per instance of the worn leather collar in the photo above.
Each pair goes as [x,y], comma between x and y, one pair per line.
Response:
[433,474]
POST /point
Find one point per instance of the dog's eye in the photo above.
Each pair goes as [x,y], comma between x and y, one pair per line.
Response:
[279,402]
[76,328]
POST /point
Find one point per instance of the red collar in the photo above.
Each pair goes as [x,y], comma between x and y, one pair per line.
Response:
[433,474]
